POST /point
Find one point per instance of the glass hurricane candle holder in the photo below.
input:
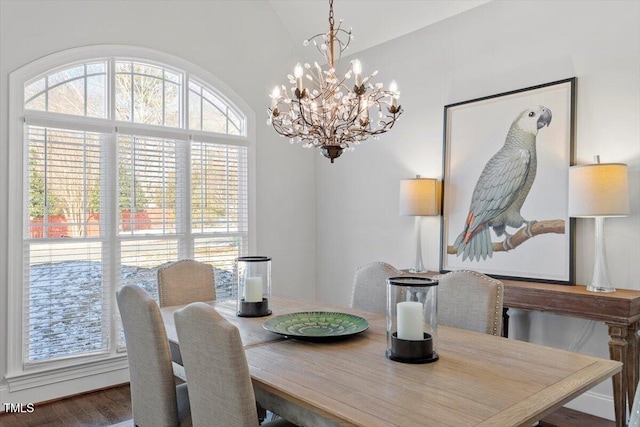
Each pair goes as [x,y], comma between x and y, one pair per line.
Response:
[254,286]
[412,319]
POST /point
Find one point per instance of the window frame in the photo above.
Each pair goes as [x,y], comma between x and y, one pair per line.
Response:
[18,374]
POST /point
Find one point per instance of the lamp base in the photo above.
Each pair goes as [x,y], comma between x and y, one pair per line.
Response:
[418,267]
[600,281]
[593,288]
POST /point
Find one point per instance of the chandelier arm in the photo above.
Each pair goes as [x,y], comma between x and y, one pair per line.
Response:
[343,45]
[310,127]
[281,128]
[380,97]
[387,125]
[349,118]
[310,39]
[348,33]
[357,107]
[317,77]
[278,129]
[322,52]
[302,116]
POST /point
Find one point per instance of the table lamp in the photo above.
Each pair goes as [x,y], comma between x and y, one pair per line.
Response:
[599,190]
[419,197]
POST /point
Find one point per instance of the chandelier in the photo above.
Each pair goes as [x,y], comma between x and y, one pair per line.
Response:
[326,110]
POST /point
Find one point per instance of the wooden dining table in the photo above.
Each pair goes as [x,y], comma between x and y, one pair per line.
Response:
[479,379]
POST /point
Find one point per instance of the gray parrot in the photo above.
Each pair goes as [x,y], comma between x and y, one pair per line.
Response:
[503,187]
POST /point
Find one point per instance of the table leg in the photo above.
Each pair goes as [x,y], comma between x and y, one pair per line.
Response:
[632,361]
[505,322]
[618,351]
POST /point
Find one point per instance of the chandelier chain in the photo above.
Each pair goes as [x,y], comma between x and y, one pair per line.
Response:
[331,21]
[331,34]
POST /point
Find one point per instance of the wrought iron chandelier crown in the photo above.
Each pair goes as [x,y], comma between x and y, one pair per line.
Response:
[324,111]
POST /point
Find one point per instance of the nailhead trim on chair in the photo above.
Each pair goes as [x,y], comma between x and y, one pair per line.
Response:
[387,266]
[497,314]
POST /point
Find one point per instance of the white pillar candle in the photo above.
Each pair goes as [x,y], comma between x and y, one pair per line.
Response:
[410,321]
[253,289]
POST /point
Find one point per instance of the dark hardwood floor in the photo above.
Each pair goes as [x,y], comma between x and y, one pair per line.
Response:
[113,405]
[99,408]
[569,418]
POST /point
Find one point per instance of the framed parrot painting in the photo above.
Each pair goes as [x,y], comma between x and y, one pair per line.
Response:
[506,166]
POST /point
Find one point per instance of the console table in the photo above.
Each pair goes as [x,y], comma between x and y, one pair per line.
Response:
[620,310]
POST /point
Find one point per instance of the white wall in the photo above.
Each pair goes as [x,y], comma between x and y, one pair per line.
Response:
[352,217]
[497,47]
[244,45]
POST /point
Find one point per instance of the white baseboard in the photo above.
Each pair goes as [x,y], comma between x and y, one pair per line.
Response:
[49,388]
[592,403]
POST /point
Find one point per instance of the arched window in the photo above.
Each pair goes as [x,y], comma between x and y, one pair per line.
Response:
[129,162]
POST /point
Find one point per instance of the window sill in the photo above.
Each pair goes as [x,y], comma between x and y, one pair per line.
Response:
[28,380]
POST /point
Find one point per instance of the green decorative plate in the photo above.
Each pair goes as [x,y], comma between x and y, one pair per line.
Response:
[316,325]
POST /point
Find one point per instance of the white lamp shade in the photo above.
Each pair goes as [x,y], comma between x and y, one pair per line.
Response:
[420,197]
[600,189]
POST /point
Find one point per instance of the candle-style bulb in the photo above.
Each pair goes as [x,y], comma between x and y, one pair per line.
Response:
[275,94]
[357,70]
[298,72]
[393,88]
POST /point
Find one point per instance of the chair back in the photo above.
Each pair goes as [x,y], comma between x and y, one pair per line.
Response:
[370,286]
[220,388]
[153,390]
[470,300]
[185,281]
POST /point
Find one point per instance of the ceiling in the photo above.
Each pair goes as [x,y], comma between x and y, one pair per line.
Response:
[373,22]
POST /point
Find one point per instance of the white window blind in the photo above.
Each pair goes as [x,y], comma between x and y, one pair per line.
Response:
[218,188]
[65,302]
[151,184]
[219,208]
[104,208]
[152,207]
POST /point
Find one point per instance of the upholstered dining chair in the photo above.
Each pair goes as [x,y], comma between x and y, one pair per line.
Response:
[369,290]
[470,300]
[220,386]
[185,281]
[155,399]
